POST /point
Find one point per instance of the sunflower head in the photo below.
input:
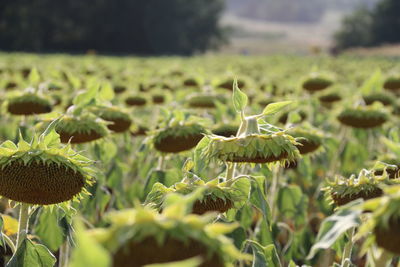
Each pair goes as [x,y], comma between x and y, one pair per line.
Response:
[330,97]
[215,197]
[141,236]
[392,83]
[42,172]
[181,132]
[226,130]
[135,101]
[309,139]
[28,103]
[316,82]
[366,186]
[386,99]
[81,129]
[204,100]
[119,119]
[363,117]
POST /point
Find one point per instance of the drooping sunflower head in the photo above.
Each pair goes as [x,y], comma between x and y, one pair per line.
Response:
[392,83]
[330,97]
[182,132]
[43,172]
[309,139]
[226,130]
[135,101]
[366,185]
[28,103]
[143,236]
[81,129]
[119,119]
[316,82]
[252,148]
[204,100]
[384,221]
[363,117]
[215,197]
[385,98]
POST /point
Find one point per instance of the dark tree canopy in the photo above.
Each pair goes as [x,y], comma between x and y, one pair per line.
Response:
[111,26]
[364,27]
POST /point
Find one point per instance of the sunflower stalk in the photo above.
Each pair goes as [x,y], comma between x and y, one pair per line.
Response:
[64,255]
[22,223]
[346,259]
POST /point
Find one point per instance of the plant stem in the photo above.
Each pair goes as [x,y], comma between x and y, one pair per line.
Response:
[9,243]
[348,248]
[273,190]
[160,166]
[230,172]
[22,223]
[64,255]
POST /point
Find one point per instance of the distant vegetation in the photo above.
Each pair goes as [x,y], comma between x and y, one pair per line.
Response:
[291,10]
[370,27]
[124,26]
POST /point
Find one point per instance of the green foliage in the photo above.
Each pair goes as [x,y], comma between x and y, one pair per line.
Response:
[31,254]
[155,27]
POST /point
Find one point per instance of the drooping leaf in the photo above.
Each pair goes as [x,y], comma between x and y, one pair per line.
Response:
[239,98]
[49,230]
[264,256]
[275,107]
[292,203]
[30,254]
[335,226]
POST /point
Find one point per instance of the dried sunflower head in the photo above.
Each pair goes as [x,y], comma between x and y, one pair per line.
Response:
[363,117]
[215,197]
[316,82]
[81,129]
[42,172]
[309,139]
[253,147]
[181,132]
[28,103]
[392,83]
[120,121]
[366,186]
[143,236]
[384,220]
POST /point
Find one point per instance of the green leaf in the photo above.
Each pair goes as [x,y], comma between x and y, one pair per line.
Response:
[106,92]
[335,225]
[86,97]
[29,254]
[264,256]
[48,229]
[373,84]
[87,251]
[293,204]
[199,161]
[239,98]
[34,77]
[258,199]
[275,107]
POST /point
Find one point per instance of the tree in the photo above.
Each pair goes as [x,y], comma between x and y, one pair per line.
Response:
[386,22]
[366,28]
[111,26]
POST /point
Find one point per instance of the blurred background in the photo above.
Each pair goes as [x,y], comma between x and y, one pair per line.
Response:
[182,27]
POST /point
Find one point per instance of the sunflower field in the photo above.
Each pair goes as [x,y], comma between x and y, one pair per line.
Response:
[201,161]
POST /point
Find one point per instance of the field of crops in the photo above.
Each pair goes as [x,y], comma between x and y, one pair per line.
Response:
[203,161]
